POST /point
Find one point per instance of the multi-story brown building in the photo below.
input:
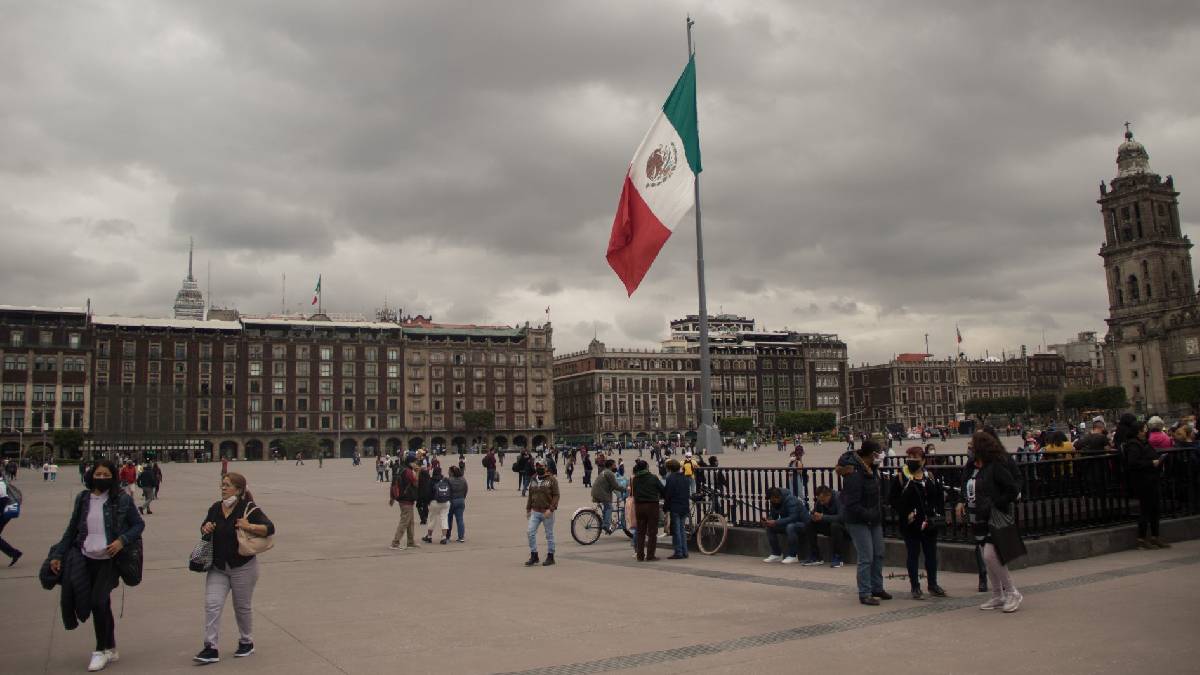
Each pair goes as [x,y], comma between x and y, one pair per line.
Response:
[237,386]
[44,384]
[621,395]
[910,390]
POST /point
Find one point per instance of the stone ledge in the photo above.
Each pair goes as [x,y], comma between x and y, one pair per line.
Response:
[961,557]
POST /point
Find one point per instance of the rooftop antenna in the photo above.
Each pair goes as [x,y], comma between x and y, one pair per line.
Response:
[210,302]
[283,295]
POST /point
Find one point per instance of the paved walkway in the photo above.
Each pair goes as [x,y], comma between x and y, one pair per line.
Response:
[333,598]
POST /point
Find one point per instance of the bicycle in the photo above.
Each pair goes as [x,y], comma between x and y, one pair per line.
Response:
[706,523]
[586,522]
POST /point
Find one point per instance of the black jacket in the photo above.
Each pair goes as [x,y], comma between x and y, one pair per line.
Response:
[995,488]
[926,498]
[121,521]
[224,537]
[861,496]
[424,487]
[1139,461]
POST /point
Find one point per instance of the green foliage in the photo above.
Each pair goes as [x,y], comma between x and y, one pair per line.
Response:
[479,420]
[294,444]
[1004,405]
[1078,399]
[1184,389]
[805,421]
[1110,398]
[1107,398]
[736,425]
[1041,404]
[67,442]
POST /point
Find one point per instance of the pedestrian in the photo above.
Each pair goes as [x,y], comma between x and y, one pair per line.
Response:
[128,477]
[424,491]
[603,490]
[647,492]
[53,471]
[438,508]
[992,487]
[320,459]
[224,464]
[919,501]
[788,516]
[46,471]
[826,519]
[540,506]
[300,458]
[458,503]
[7,495]
[103,523]
[571,468]
[234,569]
[1144,466]
[404,491]
[379,469]
[864,521]
[489,465]
[677,503]
[587,468]
[689,467]
[147,480]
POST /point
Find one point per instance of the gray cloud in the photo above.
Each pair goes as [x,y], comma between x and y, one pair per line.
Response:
[879,172]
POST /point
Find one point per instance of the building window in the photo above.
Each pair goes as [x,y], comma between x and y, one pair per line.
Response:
[16,338]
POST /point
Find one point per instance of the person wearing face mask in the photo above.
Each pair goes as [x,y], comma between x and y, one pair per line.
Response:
[231,571]
[540,504]
[104,522]
[919,501]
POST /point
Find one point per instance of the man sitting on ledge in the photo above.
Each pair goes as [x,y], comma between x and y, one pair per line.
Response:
[787,516]
[826,520]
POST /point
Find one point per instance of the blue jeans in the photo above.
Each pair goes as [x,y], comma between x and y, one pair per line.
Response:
[868,545]
[491,478]
[455,515]
[547,522]
[524,481]
[606,510]
[791,531]
[679,533]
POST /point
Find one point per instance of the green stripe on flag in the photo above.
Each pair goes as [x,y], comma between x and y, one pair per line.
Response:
[680,109]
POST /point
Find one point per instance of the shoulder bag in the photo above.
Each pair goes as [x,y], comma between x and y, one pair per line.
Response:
[1005,536]
[249,544]
[201,558]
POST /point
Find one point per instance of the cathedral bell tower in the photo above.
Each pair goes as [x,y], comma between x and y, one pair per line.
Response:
[1148,268]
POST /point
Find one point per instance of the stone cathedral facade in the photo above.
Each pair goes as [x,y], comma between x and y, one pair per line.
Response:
[1154,309]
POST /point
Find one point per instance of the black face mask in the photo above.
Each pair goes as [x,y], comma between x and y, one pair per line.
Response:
[102,484]
[541,472]
[912,464]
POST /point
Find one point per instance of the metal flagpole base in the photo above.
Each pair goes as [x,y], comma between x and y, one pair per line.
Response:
[708,438]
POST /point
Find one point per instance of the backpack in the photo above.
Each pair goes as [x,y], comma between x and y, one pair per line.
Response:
[441,492]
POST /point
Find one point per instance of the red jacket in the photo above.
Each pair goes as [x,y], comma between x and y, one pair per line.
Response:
[128,474]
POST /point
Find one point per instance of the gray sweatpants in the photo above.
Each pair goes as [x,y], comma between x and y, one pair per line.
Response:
[217,584]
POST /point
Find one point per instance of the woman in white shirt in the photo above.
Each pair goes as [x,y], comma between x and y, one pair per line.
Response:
[104,521]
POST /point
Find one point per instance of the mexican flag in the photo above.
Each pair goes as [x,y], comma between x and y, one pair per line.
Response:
[659,186]
[317,290]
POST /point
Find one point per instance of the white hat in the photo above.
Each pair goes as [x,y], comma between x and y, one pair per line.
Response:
[1098,418]
[688,453]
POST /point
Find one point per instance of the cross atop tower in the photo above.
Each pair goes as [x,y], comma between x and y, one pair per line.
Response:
[1128,132]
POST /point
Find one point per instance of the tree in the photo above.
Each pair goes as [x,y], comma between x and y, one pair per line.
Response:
[1041,404]
[1110,398]
[736,426]
[1184,389]
[67,442]
[805,421]
[295,444]
[979,407]
[1078,399]
[478,421]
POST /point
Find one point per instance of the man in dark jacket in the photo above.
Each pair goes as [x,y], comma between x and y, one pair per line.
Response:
[827,520]
[787,515]
[1096,442]
[647,492]
[677,503]
[864,521]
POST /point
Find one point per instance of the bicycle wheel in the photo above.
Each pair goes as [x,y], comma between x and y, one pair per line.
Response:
[711,534]
[585,527]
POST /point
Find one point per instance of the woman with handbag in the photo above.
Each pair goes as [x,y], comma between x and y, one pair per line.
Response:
[104,522]
[239,531]
[990,495]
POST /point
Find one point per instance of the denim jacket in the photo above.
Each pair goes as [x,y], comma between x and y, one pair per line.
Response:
[121,521]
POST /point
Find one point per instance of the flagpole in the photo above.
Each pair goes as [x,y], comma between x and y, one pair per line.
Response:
[708,438]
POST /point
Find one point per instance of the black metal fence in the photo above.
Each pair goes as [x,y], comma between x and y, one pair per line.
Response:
[1061,493]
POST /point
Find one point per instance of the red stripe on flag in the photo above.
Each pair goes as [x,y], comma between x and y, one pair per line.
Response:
[637,236]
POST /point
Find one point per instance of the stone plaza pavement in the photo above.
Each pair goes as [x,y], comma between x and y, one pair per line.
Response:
[333,598]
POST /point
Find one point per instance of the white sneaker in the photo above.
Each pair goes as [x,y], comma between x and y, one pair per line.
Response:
[996,602]
[1012,602]
[790,560]
[772,558]
[113,656]
[99,660]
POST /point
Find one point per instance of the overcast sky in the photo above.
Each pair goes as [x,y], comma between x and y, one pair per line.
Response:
[880,170]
